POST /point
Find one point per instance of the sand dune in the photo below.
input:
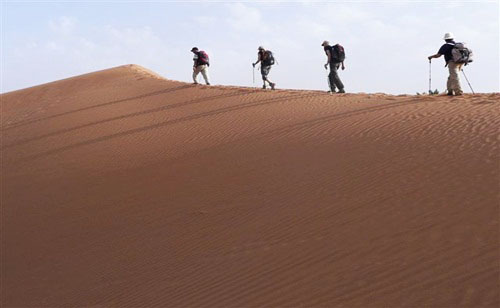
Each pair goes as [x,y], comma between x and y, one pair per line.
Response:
[124,189]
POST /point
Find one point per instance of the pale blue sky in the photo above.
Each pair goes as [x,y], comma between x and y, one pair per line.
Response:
[386,42]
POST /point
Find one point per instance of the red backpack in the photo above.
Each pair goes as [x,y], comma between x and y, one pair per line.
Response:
[203,58]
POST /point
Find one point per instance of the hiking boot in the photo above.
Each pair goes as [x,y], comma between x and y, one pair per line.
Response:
[459,92]
[208,83]
[341,91]
[450,92]
[264,87]
[272,86]
[195,83]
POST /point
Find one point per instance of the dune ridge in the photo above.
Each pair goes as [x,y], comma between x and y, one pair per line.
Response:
[122,188]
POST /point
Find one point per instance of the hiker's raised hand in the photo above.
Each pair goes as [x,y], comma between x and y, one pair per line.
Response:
[343,67]
[430,58]
[253,64]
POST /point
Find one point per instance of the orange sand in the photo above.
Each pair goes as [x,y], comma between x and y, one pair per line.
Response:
[123,189]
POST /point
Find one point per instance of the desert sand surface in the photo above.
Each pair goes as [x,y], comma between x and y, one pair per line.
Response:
[124,189]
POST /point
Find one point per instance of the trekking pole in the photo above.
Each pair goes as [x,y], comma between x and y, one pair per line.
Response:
[468,81]
[328,79]
[253,75]
[430,74]
[258,69]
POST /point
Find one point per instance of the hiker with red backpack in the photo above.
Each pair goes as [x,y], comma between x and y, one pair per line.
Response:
[335,59]
[266,58]
[456,55]
[201,64]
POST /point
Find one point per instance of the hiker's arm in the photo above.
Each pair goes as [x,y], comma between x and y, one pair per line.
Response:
[434,56]
[329,58]
[258,60]
[343,66]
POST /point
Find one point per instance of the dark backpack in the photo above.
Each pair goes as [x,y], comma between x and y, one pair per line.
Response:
[270,58]
[203,58]
[338,53]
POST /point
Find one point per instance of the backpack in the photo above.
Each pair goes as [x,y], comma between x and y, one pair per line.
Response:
[203,58]
[461,54]
[270,58]
[338,53]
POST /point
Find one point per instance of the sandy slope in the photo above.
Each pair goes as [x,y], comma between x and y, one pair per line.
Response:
[124,189]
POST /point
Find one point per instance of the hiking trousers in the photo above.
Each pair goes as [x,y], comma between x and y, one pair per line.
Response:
[453,83]
[203,69]
[334,78]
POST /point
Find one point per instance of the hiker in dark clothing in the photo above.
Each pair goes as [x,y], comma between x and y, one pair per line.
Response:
[453,84]
[335,57]
[265,57]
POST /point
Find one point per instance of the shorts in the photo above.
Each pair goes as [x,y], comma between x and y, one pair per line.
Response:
[264,70]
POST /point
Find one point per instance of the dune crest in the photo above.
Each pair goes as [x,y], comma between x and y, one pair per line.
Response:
[144,71]
[122,188]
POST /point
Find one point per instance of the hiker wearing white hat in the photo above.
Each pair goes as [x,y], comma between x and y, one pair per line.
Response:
[335,58]
[448,36]
[266,59]
[453,84]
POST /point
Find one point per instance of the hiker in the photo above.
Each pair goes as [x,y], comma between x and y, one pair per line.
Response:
[201,64]
[266,58]
[335,58]
[453,84]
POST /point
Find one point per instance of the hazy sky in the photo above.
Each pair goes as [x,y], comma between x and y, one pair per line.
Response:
[386,42]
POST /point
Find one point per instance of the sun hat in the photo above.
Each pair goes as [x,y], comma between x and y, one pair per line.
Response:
[448,36]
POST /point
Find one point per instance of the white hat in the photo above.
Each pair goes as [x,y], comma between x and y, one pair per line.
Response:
[448,36]
[325,43]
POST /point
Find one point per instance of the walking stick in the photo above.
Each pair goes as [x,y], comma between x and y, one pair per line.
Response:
[430,75]
[253,75]
[468,81]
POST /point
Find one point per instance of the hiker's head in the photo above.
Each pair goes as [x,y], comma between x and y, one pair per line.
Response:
[448,36]
[194,49]
[261,48]
[325,43]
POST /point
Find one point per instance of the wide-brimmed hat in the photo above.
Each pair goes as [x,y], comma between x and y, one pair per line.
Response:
[325,43]
[448,36]
[194,49]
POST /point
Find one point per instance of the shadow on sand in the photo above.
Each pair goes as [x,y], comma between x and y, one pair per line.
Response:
[285,129]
